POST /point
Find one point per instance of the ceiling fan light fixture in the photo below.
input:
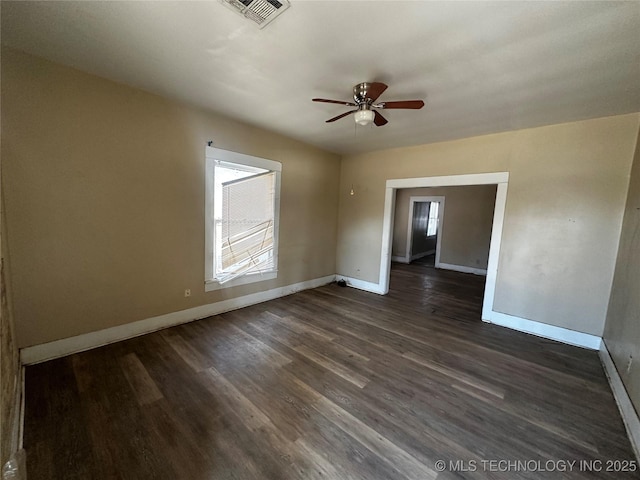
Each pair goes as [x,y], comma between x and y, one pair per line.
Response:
[364,117]
[364,97]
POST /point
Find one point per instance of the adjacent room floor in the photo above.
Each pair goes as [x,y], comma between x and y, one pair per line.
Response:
[331,383]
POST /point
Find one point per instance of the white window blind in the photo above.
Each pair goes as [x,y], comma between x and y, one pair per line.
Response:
[244,219]
[242,203]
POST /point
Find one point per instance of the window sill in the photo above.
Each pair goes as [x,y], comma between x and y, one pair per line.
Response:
[212,285]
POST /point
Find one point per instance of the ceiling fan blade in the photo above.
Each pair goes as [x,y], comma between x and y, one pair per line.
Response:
[379,120]
[413,104]
[341,116]
[339,102]
[375,90]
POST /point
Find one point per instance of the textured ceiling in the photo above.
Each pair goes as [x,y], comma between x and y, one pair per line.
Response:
[480,67]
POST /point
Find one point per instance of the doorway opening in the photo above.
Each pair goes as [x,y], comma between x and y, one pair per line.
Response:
[499,179]
[423,230]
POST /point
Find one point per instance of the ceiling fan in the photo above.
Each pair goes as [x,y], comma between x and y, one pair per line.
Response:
[364,94]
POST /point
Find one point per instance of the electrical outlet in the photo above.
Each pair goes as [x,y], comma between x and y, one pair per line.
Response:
[629,363]
[187,293]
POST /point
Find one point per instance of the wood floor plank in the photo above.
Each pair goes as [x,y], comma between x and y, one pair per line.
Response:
[57,427]
[401,460]
[457,376]
[417,428]
[255,419]
[190,355]
[350,376]
[141,383]
[330,383]
[122,444]
[320,463]
[259,423]
[273,355]
[299,326]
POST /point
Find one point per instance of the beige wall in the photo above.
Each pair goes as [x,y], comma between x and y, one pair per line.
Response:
[105,201]
[565,200]
[622,330]
[466,227]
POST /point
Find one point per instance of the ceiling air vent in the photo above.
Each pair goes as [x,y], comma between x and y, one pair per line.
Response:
[260,11]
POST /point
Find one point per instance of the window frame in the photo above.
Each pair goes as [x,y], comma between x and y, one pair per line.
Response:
[213,155]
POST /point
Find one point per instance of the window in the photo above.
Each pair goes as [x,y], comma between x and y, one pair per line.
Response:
[242,195]
[432,225]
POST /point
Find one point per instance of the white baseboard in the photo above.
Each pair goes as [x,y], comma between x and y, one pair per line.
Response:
[628,412]
[421,255]
[87,341]
[361,284]
[462,268]
[545,330]
[396,258]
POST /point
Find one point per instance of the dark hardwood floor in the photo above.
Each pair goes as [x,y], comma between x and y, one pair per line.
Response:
[331,383]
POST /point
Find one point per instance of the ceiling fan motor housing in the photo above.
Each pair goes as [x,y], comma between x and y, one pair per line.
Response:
[360,94]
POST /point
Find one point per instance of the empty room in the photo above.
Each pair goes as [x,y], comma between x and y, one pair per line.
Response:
[291,239]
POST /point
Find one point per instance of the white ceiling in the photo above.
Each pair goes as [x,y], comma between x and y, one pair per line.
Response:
[480,67]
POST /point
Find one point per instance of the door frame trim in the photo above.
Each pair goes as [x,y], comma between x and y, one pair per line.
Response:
[501,179]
